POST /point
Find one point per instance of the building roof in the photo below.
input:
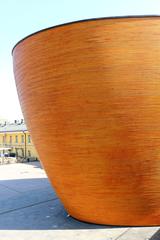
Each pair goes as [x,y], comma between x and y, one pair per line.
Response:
[17,126]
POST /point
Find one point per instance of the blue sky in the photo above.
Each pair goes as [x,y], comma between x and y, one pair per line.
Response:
[19,18]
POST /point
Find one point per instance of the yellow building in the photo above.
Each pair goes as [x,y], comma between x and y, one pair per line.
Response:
[16,141]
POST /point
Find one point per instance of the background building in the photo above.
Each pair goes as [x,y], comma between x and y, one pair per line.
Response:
[15,141]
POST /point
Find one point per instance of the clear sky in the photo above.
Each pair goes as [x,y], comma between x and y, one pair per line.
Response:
[19,18]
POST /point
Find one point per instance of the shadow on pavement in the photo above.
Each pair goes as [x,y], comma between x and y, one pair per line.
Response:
[31,204]
[156,236]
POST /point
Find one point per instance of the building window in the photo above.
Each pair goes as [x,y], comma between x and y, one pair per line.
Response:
[16,139]
[22,139]
[29,139]
[10,139]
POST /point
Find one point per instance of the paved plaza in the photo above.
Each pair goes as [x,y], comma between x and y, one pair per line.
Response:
[30,209]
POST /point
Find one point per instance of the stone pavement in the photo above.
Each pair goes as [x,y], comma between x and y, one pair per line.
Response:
[30,209]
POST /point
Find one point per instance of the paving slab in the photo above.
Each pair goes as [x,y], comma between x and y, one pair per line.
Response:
[62,235]
[6,193]
[19,201]
[30,209]
[141,233]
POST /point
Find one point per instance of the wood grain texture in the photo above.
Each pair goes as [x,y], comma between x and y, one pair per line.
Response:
[90,94]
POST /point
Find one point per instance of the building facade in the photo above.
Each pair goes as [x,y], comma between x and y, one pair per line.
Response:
[15,141]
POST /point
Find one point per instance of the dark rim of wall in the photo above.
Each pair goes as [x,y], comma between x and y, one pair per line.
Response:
[84,20]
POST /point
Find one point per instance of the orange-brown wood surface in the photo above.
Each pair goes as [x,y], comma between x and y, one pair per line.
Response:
[90,94]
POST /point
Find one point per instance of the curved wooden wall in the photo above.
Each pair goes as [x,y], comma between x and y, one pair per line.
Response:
[90,94]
